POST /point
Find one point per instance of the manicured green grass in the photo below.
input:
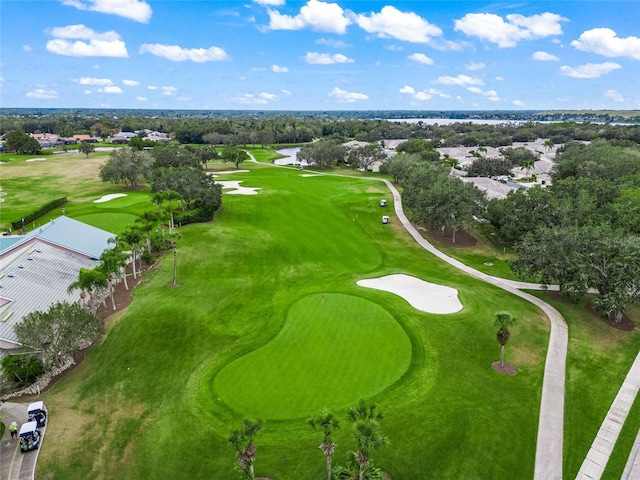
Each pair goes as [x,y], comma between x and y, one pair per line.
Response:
[342,335]
[29,185]
[158,397]
[598,361]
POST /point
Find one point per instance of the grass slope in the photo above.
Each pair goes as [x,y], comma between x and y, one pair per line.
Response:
[144,405]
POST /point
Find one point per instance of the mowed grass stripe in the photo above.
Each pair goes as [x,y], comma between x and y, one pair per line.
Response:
[330,353]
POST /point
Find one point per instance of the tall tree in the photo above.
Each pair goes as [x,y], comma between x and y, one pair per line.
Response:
[86,148]
[20,142]
[171,200]
[112,263]
[91,282]
[59,332]
[503,320]
[127,166]
[234,155]
[242,441]
[365,156]
[132,237]
[365,419]
[328,423]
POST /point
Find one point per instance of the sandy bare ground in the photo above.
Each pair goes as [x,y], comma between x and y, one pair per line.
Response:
[421,295]
[111,196]
[236,189]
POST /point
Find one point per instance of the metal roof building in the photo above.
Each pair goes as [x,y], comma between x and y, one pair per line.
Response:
[37,268]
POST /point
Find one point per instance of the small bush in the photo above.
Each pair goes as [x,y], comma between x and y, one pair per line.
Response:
[22,369]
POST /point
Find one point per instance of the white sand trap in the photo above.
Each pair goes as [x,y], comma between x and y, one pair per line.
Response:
[227,172]
[310,175]
[111,196]
[36,160]
[236,189]
[424,296]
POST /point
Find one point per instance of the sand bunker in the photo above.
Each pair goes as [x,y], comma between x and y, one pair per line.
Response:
[111,196]
[310,175]
[424,296]
[236,189]
[227,172]
[36,160]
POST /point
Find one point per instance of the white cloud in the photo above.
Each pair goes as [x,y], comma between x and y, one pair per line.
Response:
[490,94]
[93,81]
[286,92]
[87,92]
[424,94]
[316,15]
[130,83]
[279,69]
[493,28]
[605,41]
[614,95]
[268,96]
[461,80]
[27,48]
[250,98]
[420,58]
[88,44]
[131,9]
[589,70]
[347,97]
[184,99]
[326,58]
[392,23]
[43,94]
[472,66]
[273,3]
[142,99]
[169,91]
[112,89]
[519,103]
[176,53]
[544,56]
[152,87]
[330,42]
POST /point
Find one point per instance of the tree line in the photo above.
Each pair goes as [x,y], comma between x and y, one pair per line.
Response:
[582,232]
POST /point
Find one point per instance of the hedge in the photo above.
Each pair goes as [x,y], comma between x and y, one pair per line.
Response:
[17,225]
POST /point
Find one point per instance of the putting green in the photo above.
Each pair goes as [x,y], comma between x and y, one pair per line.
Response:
[111,222]
[330,353]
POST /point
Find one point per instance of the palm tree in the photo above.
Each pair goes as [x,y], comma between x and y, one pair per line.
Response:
[368,438]
[131,237]
[122,258]
[89,281]
[527,165]
[242,441]
[147,222]
[326,422]
[113,261]
[171,199]
[548,144]
[503,320]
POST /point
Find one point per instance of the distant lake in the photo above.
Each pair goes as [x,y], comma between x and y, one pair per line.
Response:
[290,156]
[451,121]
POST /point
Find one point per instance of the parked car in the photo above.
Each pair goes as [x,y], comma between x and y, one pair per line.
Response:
[29,436]
[36,411]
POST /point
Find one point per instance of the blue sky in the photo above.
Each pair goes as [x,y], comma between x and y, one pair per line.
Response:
[316,55]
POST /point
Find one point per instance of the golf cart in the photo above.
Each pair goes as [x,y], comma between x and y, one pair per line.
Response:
[37,412]
[29,436]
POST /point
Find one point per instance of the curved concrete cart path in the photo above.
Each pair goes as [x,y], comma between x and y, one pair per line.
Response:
[13,464]
[548,464]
